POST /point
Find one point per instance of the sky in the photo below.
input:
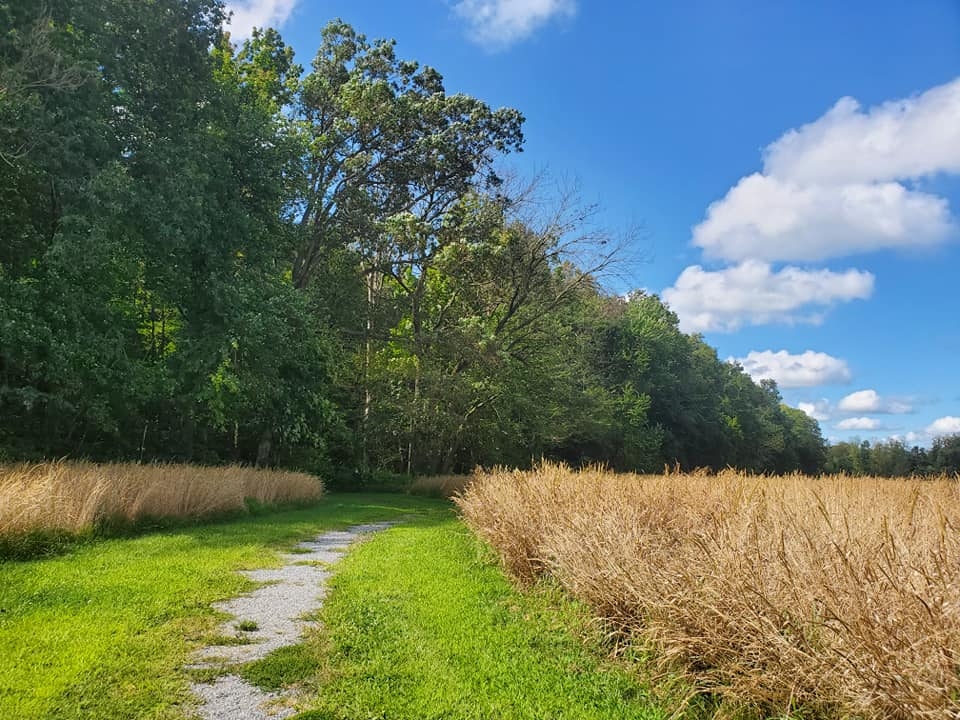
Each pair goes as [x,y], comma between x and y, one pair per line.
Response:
[793,169]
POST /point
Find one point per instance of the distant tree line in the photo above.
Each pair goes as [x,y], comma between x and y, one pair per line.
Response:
[894,458]
[209,254]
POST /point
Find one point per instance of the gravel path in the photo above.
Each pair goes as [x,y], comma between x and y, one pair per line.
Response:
[276,610]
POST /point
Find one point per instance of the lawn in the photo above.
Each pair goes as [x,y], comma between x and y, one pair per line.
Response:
[103,631]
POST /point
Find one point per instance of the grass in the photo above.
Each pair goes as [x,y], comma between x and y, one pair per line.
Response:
[44,505]
[104,631]
[827,597]
[283,668]
[420,624]
[445,486]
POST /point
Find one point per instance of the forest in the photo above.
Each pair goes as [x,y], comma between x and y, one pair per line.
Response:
[211,253]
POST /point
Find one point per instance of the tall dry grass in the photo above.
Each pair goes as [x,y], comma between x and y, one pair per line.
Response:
[834,596]
[444,486]
[73,496]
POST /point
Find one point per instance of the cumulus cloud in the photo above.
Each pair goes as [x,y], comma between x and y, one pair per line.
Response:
[859,423]
[753,293]
[248,14]
[911,438]
[808,369]
[768,218]
[914,438]
[840,185]
[870,401]
[948,425]
[941,427]
[498,23]
[906,138]
[819,410]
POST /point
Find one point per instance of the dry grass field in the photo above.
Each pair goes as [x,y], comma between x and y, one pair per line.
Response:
[73,496]
[833,596]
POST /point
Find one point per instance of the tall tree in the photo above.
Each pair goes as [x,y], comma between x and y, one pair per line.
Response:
[385,139]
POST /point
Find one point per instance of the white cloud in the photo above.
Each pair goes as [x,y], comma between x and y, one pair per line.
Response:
[752,293]
[914,438]
[248,14]
[860,402]
[808,369]
[819,410]
[499,23]
[948,425]
[836,186]
[906,138]
[768,218]
[859,423]
[911,438]
[870,401]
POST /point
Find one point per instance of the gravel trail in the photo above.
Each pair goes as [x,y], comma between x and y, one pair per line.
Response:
[276,610]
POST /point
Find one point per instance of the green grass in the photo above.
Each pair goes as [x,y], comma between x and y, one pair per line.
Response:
[104,630]
[420,625]
[284,667]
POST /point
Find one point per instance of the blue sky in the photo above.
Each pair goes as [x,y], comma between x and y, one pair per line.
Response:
[794,166]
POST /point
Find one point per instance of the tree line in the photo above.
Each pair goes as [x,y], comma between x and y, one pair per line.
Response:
[894,458]
[213,254]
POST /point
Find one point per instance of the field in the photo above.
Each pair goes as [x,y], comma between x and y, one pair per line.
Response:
[76,496]
[826,597]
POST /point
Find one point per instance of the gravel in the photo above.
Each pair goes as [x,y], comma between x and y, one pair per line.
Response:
[276,610]
[230,696]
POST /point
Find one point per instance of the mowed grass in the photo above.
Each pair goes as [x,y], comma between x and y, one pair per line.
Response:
[815,597]
[420,623]
[104,631]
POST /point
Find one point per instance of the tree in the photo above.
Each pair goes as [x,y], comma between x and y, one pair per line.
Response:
[486,341]
[145,279]
[385,140]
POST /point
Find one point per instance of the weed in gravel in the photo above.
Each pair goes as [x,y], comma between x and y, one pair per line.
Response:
[284,667]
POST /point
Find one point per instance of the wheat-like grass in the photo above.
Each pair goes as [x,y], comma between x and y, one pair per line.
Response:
[445,486]
[73,496]
[836,596]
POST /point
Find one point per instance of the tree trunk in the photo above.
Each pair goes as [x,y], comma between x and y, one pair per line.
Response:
[372,286]
[263,449]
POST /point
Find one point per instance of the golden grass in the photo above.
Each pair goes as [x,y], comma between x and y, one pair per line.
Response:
[73,496]
[445,486]
[833,596]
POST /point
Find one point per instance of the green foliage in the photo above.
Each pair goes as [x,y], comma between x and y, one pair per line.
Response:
[893,458]
[148,308]
[386,146]
[676,403]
